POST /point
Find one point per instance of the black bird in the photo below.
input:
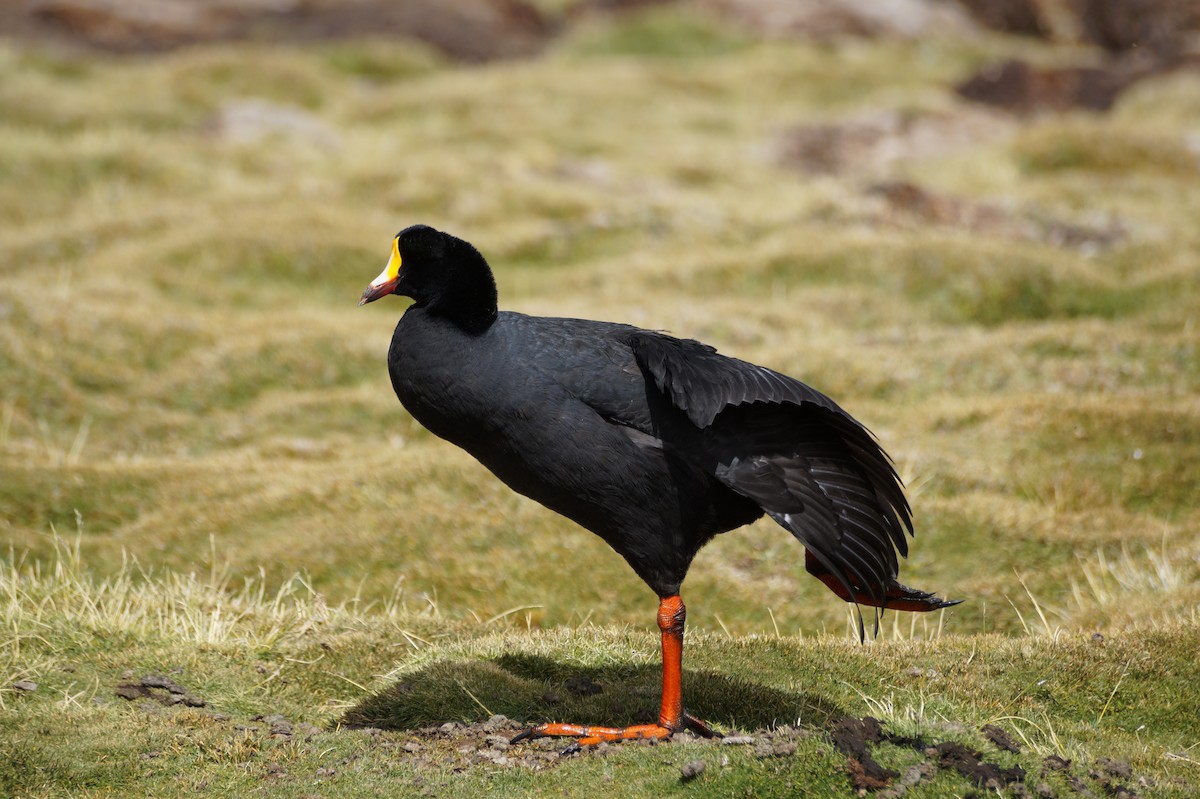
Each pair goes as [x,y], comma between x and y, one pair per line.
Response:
[655,444]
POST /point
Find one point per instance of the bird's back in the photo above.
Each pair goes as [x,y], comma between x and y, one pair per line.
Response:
[655,443]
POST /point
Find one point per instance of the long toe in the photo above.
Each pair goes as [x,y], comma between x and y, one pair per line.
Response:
[699,726]
[586,735]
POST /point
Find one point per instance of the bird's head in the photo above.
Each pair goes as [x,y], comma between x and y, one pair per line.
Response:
[441,273]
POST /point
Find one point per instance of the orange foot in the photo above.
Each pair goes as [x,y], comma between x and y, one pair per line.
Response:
[587,736]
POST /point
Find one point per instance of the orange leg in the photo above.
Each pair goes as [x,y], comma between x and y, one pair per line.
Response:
[671,717]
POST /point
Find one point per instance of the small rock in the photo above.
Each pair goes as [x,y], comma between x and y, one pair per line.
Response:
[411,746]
[1043,790]
[25,685]
[252,121]
[307,730]
[496,722]
[159,681]
[448,727]
[281,728]
[1116,768]
[1097,638]
[691,770]
[497,742]
[737,740]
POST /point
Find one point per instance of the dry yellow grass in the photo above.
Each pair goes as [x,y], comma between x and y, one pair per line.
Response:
[182,361]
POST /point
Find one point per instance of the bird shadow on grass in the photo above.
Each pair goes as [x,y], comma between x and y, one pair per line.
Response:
[532,689]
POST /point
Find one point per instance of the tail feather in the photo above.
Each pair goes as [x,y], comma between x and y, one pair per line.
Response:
[901,597]
[896,597]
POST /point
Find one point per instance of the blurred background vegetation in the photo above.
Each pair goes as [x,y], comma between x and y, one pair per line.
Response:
[973,224]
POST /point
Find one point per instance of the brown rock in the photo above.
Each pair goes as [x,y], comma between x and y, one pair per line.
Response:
[1160,26]
[876,142]
[840,18]
[141,25]
[1018,86]
[470,30]
[691,770]
[1010,16]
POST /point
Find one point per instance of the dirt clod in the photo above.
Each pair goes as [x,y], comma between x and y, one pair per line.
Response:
[166,683]
[851,737]
[161,689]
[25,685]
[1000,738]
[1056,763]
[1079,786]
[971,765]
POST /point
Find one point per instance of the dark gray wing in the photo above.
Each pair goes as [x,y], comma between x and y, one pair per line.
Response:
[810,465]
[701,382]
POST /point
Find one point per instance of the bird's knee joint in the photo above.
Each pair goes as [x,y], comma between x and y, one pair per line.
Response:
[671,615]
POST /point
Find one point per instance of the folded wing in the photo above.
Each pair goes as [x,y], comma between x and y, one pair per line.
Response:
[810,465]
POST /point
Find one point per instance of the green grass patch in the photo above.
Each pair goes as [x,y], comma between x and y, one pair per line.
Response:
[1088,148]
[282,676]
[1141,458]
[658,33]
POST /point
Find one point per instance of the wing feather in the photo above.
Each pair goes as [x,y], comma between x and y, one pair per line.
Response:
[811,466]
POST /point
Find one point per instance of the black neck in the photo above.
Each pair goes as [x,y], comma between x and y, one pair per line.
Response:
[469,297]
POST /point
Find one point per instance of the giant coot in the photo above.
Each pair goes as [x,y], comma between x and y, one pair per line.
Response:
[655,444]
